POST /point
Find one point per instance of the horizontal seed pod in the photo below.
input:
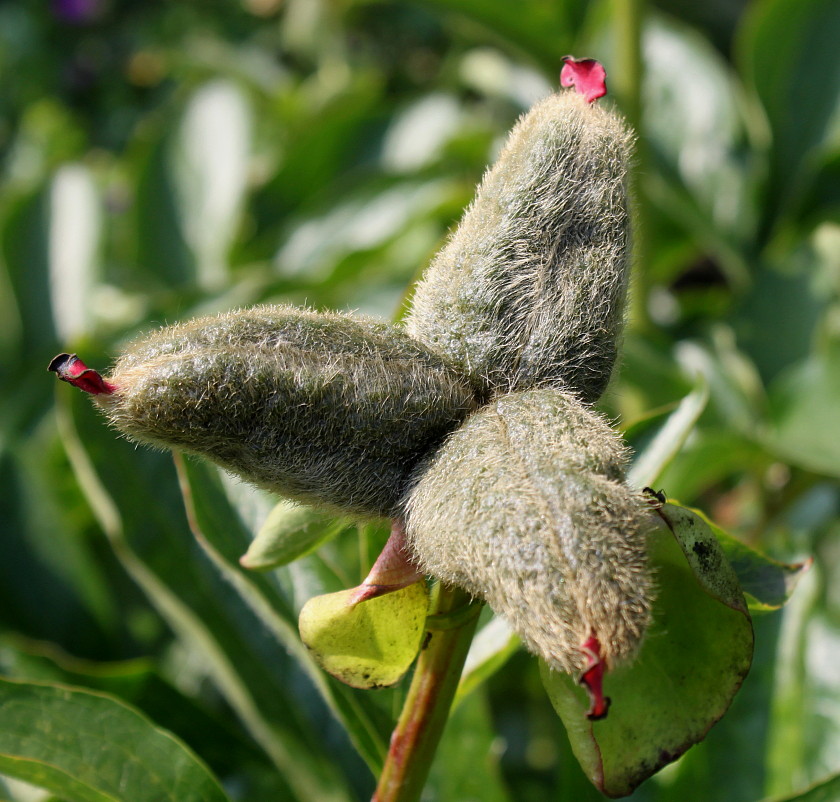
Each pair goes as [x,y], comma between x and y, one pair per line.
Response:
[530,289]
[524,506]
[323,408]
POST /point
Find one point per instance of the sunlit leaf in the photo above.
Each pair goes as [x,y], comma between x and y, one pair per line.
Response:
[210,168]
[669,438]
[75,230]
[803,736]
[695,125]
[826,791]
[366,645]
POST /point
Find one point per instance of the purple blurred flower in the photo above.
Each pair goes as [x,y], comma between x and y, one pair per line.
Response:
[77,12]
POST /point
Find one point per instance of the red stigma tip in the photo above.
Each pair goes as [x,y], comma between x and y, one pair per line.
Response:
[69,368]
[586,75]
[592,679]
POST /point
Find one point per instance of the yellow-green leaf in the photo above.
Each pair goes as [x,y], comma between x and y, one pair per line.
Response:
[370,644]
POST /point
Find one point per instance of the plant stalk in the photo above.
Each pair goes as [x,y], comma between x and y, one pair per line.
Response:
[629,78]
[426,709]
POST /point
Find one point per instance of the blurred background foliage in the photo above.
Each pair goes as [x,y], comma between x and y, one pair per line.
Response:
[165,159]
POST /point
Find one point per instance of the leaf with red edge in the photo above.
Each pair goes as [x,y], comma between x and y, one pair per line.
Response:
[693,660]
[586,75]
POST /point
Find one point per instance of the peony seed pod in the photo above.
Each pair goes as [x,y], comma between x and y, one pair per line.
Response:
[322,408]
[525,507]
[530,289]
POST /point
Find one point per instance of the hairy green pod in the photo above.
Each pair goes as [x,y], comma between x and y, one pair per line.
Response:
[525,507]
[530,289]
[322,408]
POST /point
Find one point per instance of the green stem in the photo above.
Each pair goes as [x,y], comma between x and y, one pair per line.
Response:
[426,708]
[628,58]
[628,78]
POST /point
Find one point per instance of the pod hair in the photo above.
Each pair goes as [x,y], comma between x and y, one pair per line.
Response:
[322,408]
[530,289]
[525,506]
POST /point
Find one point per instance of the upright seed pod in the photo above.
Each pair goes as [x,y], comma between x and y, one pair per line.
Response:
[525,506]
[323,408]
[529,290]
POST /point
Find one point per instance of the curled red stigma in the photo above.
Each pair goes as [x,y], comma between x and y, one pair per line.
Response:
[69,368]
[592,679]
[586,75]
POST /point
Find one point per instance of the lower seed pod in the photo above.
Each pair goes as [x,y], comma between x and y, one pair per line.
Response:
[524,506]
[323,408]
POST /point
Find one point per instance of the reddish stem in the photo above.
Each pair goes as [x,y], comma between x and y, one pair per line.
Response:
[393,569]
[426,708]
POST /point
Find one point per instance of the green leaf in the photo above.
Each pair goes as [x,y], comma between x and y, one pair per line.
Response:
[805,413]
[826,791]
[789,52]
[219,530]
[370,644]
[736,391]
[693,660]
[290,531]
[700,181]
[766,583]
[709,457]
[47,561]
[544,32]
[466,765]
[225,747]
[156,238]
[90,747]
[134,494]
[24,240]
[669,438]
[491,648]
[803,731]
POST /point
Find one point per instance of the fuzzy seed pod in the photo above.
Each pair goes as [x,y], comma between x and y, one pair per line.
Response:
[525,507]
[322,408]
[530,289]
